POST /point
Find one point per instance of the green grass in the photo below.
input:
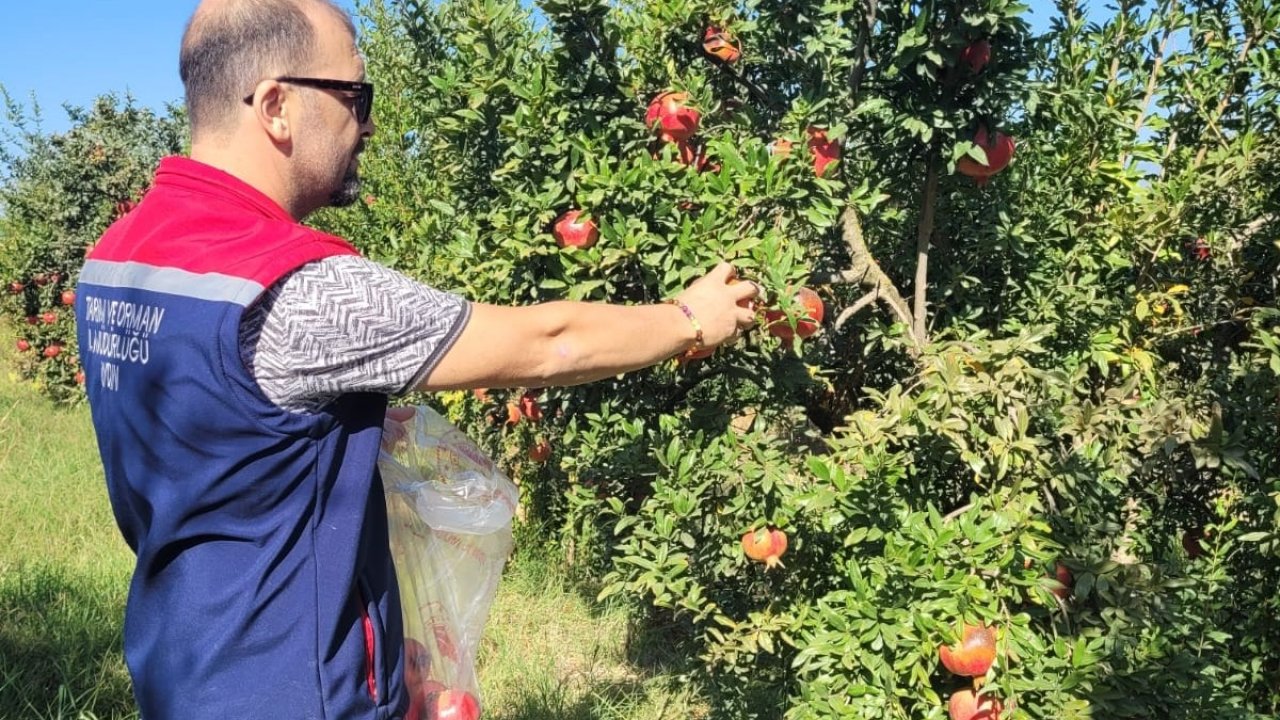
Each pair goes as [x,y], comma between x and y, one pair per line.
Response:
[548,653]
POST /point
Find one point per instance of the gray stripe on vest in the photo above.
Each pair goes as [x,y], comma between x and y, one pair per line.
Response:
[171,281]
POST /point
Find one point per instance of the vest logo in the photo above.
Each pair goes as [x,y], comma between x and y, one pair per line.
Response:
[123,335]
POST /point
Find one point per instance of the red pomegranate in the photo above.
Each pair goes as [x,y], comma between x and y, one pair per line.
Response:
[571,231]
[529,407]
[540,452]
[719,42]
[671,116]
[976,55]
[966,705]
[975,653]
[765,545]
[776,320]
[824,151]
[999,150]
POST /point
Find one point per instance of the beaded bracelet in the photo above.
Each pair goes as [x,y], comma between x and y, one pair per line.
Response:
[697,326]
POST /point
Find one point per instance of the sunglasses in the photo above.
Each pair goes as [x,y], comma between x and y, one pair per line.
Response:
[363,91]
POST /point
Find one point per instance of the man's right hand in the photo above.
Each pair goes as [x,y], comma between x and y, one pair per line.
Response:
[722,305]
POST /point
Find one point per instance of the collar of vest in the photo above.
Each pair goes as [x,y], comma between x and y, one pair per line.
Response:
[183,172]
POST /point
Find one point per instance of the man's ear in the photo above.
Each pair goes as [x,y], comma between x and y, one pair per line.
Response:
[271,105]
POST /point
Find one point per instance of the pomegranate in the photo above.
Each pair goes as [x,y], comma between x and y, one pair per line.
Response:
[32,320]
[999,150]
[966,705]
[68,297]
[691,154]
[976,55]
[672,117]
[824,151]
[41,280]
[1191,542]
[53,350]
[49,318]
[513,413]
[1063,575]
[453,704]
[23,345]
[1199,249]
[529,407]
[571,231]
[540,452]
[765,545]
[417,666]
[80,377]
[720,43]
[16,287]
[974,655]
[776,320]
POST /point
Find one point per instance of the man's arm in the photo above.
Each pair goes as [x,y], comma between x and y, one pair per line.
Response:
[568,343]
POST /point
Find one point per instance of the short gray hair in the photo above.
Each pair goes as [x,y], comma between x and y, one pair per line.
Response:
[231,45]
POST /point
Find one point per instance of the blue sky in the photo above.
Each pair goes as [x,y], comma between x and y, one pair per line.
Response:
[71,51]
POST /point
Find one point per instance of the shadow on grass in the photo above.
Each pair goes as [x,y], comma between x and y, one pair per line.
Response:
[60,646]
[602,700]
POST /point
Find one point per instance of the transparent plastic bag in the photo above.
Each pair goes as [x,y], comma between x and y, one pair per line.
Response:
[450,511]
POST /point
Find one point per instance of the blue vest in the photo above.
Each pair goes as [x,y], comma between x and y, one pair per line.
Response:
[264,586]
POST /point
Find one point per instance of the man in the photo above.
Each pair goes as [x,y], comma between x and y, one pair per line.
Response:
[239,366]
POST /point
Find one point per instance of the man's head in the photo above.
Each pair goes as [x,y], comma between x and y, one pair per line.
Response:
[273,96]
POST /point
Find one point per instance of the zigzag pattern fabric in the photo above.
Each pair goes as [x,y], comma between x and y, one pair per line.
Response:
[346,324]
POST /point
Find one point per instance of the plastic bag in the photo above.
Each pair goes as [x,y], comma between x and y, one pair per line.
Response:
[450,511]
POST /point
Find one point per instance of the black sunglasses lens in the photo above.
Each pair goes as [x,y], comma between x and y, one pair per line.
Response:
[364,104]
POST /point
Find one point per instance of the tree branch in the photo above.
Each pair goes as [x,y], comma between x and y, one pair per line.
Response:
[924,236]
[1151,87]
[756,93]
[865,271]
[1222,105]
[857,307]
[860,52]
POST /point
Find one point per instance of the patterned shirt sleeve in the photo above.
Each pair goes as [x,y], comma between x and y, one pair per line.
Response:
[346,324]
